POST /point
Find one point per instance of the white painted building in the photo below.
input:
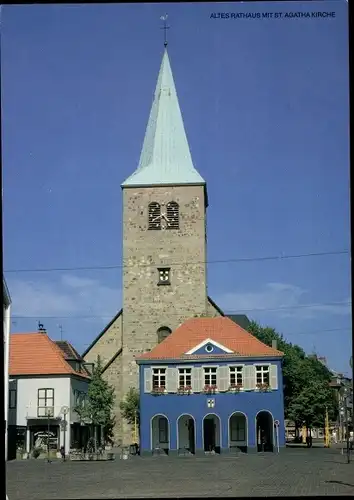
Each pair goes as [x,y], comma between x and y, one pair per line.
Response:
[6,333]
[46,384]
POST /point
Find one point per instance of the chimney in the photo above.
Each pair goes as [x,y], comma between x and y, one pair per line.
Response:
[274,344]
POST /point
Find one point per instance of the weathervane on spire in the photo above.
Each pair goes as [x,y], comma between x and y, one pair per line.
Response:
[165,28]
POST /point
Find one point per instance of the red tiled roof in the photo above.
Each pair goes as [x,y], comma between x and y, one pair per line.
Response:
[221,329]
[37,354]
[68,350]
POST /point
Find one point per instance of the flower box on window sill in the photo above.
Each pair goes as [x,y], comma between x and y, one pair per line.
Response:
[158,391]
[210,389]
[263,388]
[184,389]
[236,388]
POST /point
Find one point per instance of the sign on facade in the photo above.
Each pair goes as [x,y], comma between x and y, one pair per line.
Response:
[211,403]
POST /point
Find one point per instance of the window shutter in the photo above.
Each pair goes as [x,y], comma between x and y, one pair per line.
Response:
[274,377]
[249,377]
[171,380]
[147,380]
[223,378]
[197,379]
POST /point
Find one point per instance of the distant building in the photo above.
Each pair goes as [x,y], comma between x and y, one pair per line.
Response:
[211,386]
[6,332]
[240,319]
[47,381]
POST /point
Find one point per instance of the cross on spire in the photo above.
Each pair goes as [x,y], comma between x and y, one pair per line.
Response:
[165,28]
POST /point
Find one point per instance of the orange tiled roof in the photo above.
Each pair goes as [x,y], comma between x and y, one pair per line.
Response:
[37,354]
[221,329]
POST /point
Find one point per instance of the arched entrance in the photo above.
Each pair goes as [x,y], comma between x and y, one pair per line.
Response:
[186,434]
[160,434]
[265,431]
[238,432]
[212,433]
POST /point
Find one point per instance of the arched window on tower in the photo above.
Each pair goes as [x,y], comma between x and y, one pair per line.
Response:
[154,215]
[172,215]
[163,333]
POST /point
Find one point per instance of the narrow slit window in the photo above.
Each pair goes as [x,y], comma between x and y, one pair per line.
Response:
[154,214]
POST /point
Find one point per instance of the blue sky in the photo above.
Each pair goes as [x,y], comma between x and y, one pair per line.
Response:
[265,105]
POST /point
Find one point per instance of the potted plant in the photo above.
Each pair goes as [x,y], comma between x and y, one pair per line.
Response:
[262,387]
[157,391]
[210,389]
[236,388]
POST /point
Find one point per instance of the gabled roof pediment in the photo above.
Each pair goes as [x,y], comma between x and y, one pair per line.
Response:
[209,346]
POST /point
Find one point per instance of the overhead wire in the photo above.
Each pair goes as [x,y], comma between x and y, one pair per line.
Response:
[180,263]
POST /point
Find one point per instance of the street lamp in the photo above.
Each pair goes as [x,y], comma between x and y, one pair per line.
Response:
[49,412]
[64,411]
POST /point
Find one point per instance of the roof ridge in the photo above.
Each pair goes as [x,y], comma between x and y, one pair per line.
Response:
[58,351]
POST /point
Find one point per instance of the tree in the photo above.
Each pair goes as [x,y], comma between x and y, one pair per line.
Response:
[307,393]
[309,406]
[98,406]
[130,406]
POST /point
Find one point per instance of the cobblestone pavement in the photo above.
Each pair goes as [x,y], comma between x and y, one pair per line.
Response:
[294,472]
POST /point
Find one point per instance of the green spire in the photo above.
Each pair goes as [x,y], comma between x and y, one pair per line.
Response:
[165,157]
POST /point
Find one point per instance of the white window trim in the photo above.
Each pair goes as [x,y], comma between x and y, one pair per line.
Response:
[210,366]
[237,365]
[209,341]
[255,372]
[184,367]
[152,376]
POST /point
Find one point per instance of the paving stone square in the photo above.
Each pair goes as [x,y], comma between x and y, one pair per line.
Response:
[294,472]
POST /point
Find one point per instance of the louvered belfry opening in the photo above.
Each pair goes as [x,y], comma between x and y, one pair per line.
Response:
[172,215]
[154,215]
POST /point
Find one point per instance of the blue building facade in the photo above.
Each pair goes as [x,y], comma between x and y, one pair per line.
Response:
[212,397]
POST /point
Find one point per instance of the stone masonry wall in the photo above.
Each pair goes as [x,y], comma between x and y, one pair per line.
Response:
[106,347]
[146,305]
[212,312]
[113,377]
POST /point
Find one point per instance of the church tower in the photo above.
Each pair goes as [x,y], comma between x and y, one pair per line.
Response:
[164,249]
[164,233]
